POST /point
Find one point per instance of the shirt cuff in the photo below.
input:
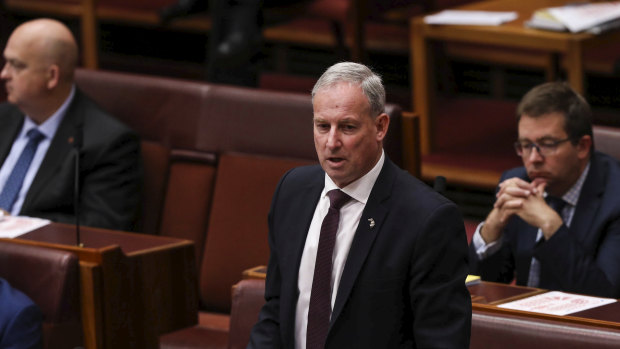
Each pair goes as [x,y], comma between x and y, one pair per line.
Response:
[483,249]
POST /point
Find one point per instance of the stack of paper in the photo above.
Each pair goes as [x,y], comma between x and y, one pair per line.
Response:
[14,226]
[458,17]
[593,18]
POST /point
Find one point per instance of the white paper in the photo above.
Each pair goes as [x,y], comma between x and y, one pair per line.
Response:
[557,303]
[14,226]
[579,18]
[459,17]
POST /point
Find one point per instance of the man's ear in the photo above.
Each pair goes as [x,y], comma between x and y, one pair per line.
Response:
[382,122]
[53,76]
[584,146]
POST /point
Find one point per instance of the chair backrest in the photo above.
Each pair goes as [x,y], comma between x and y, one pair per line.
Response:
[155,161]
[237,234]
[607,140]
[495,330]
[51,279]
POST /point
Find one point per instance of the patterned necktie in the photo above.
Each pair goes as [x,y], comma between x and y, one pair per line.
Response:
[14,183]
[534,277]
[320,308]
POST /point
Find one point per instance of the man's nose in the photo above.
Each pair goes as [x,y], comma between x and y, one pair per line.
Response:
[333,138]
[4,74]
[535,155]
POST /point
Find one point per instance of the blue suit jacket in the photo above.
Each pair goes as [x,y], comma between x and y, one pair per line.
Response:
[584,258]
[403,284]
[20,320]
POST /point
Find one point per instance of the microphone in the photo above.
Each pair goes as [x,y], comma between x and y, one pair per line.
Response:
[440,185]
[77,146]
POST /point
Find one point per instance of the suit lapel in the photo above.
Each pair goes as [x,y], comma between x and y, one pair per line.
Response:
[376,209]
[59,148]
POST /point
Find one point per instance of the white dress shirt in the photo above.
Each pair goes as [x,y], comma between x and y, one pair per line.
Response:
[350,215]
[48,129]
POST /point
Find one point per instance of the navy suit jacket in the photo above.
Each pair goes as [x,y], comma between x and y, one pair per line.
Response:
[403,284]
[110,168]
[20,320]
[584,258]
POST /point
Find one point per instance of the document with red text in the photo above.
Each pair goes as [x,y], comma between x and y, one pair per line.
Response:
[557,303]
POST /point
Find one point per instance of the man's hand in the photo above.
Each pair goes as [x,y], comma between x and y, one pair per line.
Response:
[510,197]
[526,200]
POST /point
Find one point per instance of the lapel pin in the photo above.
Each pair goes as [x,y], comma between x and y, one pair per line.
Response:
[372,222]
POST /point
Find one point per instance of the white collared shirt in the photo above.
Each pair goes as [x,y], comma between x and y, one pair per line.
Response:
[350,215]
[48,129]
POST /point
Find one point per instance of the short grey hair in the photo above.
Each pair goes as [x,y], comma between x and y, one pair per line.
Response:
[355,74]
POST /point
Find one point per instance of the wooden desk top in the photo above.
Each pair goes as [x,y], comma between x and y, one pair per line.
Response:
[513,33]
[96,238]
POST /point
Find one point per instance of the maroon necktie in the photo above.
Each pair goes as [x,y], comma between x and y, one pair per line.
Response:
[320,308]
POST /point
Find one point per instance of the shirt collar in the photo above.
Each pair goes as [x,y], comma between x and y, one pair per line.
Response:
[572,195]
[49,126]
[359,189]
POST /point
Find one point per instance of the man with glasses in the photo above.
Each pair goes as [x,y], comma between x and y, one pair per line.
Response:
[556,221]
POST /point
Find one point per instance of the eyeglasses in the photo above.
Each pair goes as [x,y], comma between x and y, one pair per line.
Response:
[544,148]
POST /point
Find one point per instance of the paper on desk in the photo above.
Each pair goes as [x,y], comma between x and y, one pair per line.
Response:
[557,303]
[14,226]
[583,17]
[460,17]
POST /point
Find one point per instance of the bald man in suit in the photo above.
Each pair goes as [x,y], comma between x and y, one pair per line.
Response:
[41,56]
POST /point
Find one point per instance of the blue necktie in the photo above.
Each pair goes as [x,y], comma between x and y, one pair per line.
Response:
[16,178]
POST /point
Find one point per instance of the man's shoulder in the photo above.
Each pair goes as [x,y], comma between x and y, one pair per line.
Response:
[414,193]
[9,111]
[519,172]
[303,175]
[95,119]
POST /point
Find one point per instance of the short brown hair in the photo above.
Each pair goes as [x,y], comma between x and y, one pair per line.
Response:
[559,97]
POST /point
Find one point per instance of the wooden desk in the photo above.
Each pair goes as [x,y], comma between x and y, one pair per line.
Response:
[134,287]
[509,35]
[491,294]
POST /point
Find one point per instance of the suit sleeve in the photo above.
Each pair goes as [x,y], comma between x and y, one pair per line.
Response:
[25,330]
[440,300]
[566,260]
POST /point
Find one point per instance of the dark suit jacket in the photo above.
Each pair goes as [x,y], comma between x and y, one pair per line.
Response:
[110,168]
[20,320]
[403,284]
[584,258]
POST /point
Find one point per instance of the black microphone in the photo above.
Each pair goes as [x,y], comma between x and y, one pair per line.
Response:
[440,185]
[77,146]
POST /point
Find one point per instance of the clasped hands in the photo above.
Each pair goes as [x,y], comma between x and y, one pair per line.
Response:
[526,200]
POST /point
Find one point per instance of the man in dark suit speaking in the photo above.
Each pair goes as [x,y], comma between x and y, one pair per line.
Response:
[556,221]
[363,255]
[45,122]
